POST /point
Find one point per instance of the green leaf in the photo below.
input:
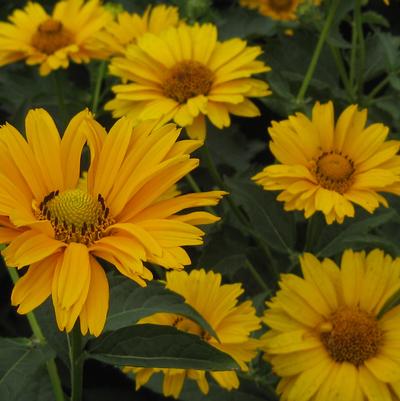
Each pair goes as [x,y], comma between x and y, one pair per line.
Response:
[241,22]
[38,388]
[154,346]
[129,303]
[20,359]
[266,214]
[337,237]
[390,46]
[373,18]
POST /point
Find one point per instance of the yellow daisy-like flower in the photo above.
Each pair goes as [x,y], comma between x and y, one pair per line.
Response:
[53,40]
[284,10]
[128,27]
[184,74]
[325,167]
[276,9]
[326,339]
[232,321]
[59,225]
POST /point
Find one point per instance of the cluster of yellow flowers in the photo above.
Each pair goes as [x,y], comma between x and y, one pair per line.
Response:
[326,337]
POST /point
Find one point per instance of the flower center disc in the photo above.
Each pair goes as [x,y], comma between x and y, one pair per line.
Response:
[352,336]
[334,171]
[75,215]
[51,36]
[187,79]
[281,5]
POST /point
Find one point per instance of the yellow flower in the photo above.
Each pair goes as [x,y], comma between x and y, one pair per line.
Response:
[326,167]
[52,40]
[284,10]
[183,74]
[232,321]
[326,340]
[60,223]
[276,9]
[128,27]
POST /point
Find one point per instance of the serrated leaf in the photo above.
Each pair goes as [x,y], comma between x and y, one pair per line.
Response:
[155,346]
[20,359]
[266,214]
[129,303]
[373,18]
[390,46]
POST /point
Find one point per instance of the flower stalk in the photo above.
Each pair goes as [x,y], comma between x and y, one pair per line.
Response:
[99,80]
[76,361]
[37,332]
[317,52]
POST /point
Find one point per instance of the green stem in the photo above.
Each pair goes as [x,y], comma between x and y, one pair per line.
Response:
[361,48]
[76,359]
[353,55]
[193,184]
[206,157]
[37,332]
[313,231]
[380,86]
[317,52]
[99,80]
[60,96]
[256,275]
[337,57]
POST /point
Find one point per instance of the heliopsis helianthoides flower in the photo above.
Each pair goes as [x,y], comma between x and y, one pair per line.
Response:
[118,34]
[184,74]
[59,224]
[232,321]
[276,9]
[325,167]
[327,340]
[52,40]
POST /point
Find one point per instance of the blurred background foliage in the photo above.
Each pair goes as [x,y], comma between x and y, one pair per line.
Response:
[231,247]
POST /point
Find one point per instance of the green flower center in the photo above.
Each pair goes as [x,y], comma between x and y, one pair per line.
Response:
[75,215]
[187,79]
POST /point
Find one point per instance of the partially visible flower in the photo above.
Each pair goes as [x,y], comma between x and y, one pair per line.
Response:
[325,166]
[128,27]
[326,340]
[184,74]
[52,40]
[232,321]
[277,9]
[124,210]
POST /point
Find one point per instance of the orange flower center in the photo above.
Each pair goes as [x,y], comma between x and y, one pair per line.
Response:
[51,36]
[351,335]
[75,215]
[334,171]
[187,79]
[282,5]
